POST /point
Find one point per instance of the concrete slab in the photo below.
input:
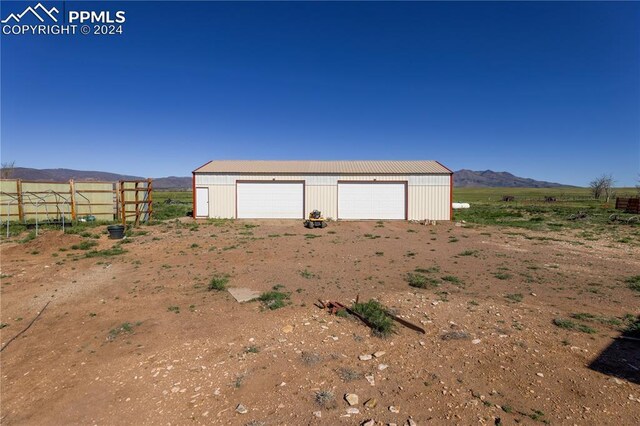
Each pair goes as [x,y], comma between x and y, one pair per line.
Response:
[242,294]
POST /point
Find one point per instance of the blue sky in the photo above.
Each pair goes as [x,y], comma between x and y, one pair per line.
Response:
[548,90]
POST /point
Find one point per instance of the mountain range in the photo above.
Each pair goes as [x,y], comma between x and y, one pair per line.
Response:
[461,178]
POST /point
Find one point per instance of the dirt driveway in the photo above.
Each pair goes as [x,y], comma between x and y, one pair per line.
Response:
[137,338]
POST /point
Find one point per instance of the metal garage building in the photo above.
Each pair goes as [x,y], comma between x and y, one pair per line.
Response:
[405,190]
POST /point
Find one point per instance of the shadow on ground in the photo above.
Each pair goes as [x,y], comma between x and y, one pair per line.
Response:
[622,358]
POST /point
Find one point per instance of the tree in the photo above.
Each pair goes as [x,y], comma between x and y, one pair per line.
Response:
[602,186]
[6,169]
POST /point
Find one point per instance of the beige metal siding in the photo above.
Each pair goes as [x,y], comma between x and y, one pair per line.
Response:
[428,195]
[98,204]
[8,199]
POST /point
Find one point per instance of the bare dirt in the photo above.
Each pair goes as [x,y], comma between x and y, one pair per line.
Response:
[137,338]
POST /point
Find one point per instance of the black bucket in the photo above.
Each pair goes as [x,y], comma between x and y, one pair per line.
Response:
[116,232]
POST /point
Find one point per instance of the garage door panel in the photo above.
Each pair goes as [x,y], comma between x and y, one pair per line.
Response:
[371,201]
[270,200]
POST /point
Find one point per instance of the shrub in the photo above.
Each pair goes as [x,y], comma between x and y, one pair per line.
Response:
[570,325]
[376,315]
[218,282]
[274,299]
[421,281]
[634,282]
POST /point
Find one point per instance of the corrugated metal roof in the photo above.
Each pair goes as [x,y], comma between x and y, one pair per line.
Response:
[323,167]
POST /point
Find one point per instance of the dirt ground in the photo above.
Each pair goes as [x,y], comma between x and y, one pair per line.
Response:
[137,338]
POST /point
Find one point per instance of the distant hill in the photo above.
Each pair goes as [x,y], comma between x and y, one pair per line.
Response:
[489,178]
[461,178]
[63,175]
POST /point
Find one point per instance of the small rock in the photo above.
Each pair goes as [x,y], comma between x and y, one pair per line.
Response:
[411,422]
[371,403]
[539,374]
[370,379]
[353,410]
[365,357]
[476,341]
[241,409]
[382,367]
[379,354]
[394,409]
[318,414]
[351,398]
[287,329]
[369,422]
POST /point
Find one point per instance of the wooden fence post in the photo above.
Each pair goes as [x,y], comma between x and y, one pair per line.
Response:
[122,204]
[20,207]
[72,190]
[150,199]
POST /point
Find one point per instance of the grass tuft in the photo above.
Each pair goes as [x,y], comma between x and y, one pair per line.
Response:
[274,299]
[571,325]
[421,281]
[218,282]
[375,313]
[634,282]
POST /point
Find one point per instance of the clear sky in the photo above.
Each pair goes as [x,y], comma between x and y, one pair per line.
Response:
[547,90]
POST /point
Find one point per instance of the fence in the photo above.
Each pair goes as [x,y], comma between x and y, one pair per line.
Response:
[629,205]
[24,200]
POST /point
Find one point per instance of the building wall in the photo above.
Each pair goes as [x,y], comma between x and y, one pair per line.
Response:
[428,195]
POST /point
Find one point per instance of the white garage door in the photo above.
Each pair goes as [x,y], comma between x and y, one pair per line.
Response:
[371,200]
[270,200]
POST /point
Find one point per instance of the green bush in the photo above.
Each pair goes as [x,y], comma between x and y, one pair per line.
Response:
[421,281]
[219,282]
[375,314]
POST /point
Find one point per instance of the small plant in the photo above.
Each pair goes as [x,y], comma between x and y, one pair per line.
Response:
[515,297]
[306,274]
[114,251]
[455,335]
[30,236]
[310,358]
[174,309]
[634,282]
[311,236]
[239,379]
[194,245]
[274,299]
[348,374]
[379,253]
[84,245]
[571,325]
[376,315]
[253,349]
[218,282]
[502,275]
[326,399]
[452,279]
[421,281]
[126,327]
[428,270]
[468,253]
